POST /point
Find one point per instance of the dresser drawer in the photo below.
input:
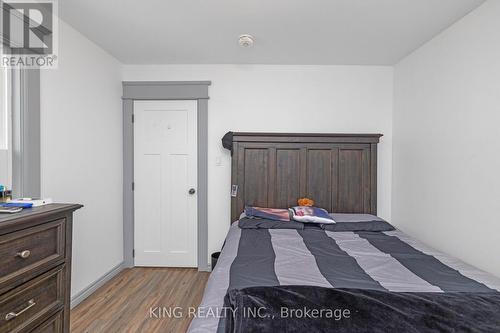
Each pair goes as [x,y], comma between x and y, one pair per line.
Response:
[32,303]
[28,252]
[53,325]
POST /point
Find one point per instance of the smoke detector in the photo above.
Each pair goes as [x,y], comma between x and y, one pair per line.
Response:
[246,40]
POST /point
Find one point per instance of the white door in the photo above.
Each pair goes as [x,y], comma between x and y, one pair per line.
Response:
[165,177]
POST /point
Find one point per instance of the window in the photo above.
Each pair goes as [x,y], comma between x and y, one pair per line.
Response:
[20,131]
[16,143]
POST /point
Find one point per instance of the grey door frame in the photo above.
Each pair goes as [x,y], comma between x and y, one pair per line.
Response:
[164,90]
[25,136]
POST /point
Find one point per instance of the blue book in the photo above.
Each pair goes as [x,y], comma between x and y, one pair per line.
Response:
[16,204]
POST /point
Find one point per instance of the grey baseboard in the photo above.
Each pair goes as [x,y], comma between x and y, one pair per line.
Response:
[76,299]
[206,268]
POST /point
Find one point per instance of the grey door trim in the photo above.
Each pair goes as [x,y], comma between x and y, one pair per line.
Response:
[144,90]
[25,137]
[165,90]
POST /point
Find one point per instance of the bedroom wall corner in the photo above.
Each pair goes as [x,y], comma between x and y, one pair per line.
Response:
[446,185]
[81,152]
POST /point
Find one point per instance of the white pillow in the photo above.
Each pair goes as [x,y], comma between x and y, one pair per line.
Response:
[311,215]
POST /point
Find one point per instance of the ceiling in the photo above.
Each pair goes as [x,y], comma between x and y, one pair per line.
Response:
[337,32]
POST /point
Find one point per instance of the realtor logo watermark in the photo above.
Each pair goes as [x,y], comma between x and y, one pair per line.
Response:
[29,30]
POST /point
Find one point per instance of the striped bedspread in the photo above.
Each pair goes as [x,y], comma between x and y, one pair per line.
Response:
[386,261]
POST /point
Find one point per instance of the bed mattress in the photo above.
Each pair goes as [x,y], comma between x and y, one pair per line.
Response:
[384,261]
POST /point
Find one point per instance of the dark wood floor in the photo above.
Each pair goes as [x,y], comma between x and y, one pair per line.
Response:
[124,303]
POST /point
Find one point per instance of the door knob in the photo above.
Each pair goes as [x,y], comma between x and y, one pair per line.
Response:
[192,191]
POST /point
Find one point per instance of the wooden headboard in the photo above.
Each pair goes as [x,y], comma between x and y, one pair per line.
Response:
[337,171]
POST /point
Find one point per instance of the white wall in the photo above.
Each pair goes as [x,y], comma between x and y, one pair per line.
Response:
[284,99]
[446,181]
[81,148]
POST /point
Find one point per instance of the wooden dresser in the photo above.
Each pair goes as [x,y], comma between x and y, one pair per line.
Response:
[35,269]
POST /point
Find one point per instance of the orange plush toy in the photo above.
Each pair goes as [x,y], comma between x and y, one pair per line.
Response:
[305,202]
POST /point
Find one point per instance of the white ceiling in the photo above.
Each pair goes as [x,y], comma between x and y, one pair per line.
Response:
[339,32]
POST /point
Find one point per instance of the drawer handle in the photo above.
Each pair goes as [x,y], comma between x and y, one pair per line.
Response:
[24,254]
[12,315]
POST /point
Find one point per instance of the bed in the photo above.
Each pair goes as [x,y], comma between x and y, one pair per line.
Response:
[387,280]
